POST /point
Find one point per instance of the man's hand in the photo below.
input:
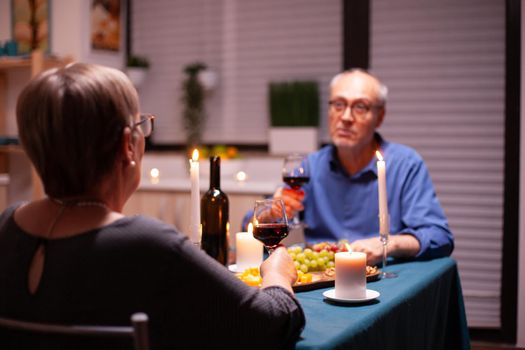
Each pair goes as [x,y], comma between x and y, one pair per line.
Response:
[292,200]
[373,248]
[399,246]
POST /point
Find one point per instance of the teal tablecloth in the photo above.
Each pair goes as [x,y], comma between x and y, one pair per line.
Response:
[420,309]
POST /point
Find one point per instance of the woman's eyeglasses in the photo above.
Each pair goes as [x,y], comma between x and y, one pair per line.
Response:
[145,124]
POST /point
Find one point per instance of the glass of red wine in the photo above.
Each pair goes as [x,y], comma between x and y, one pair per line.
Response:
[270,222]
[296,173]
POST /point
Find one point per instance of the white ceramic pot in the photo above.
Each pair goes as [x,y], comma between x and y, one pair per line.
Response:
[285,140]
[136,75]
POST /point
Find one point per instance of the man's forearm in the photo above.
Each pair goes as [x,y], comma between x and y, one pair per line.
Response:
[403,246]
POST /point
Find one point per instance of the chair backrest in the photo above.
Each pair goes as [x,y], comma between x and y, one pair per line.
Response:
[138,331]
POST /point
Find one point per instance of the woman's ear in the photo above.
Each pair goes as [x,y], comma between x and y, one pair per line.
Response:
[128,147]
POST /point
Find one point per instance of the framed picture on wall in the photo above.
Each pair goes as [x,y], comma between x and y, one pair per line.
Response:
[30,24]
[105,24]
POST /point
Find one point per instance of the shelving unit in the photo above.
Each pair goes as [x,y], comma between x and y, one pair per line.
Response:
[32,64]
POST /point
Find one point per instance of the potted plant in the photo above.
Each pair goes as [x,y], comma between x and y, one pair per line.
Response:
[193,93]
[294,116]
[136,69]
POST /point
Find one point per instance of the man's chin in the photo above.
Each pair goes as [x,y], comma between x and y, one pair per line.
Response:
[344,142]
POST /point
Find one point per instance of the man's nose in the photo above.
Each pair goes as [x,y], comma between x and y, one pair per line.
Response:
[347,114]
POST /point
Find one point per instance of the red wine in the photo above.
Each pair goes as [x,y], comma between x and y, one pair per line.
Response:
[214,216]
[270,234]
[296,182]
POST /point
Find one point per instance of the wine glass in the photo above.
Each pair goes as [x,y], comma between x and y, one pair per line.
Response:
[384,238]
[296,173]
[270,222]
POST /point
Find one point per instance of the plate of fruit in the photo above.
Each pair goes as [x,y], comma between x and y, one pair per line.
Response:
[315,267]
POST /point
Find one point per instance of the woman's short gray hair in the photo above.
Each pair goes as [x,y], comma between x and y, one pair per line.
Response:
[71,122]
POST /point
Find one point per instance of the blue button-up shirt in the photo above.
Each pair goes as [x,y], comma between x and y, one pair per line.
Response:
[342,206]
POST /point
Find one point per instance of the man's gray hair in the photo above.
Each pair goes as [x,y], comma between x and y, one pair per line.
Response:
[382,93]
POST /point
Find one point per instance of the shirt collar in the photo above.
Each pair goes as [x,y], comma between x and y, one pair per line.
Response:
[336,166]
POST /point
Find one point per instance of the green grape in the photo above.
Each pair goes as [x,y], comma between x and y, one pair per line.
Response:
[308,252]
[308,260]
[320,263]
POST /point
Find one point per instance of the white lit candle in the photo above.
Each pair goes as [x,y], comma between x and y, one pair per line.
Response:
[249,251]
[154,175]
[195,209]
[383,197]
[350,275]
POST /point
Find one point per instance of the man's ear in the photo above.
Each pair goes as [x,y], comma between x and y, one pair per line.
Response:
[380,117]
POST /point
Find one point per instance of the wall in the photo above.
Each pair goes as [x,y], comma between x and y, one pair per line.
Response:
[248,43]
[4,22]
[521,268]
[70,26]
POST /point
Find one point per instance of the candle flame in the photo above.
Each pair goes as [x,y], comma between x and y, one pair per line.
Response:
[241,176]
[378,155]
[250,228]
[195,155]
[154,172]
[348,247]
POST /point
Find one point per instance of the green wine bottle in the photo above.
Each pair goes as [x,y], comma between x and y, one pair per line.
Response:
[214,216]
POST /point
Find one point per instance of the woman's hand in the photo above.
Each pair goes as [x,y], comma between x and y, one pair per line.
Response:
[279,270]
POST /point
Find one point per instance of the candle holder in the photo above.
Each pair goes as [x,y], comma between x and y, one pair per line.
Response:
[198,242]
[384,237]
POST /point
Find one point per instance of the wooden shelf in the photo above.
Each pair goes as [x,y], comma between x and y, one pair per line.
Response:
[37,61]
[11,149]
[7,63]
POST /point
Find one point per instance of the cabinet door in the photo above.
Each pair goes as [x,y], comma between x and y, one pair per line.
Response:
[174,208]
[160,205]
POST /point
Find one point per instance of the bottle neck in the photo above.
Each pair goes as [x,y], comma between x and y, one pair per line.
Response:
[215,172]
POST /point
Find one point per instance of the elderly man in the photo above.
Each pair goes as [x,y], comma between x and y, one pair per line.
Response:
[341,199]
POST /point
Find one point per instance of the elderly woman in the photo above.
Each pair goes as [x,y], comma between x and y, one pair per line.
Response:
[73,257]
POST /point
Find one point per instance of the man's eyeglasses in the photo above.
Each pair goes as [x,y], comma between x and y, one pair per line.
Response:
[358,109]
[145,124]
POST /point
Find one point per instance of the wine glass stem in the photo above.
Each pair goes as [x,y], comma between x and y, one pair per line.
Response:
[385,242]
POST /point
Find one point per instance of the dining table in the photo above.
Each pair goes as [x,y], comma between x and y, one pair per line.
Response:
[422,308]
